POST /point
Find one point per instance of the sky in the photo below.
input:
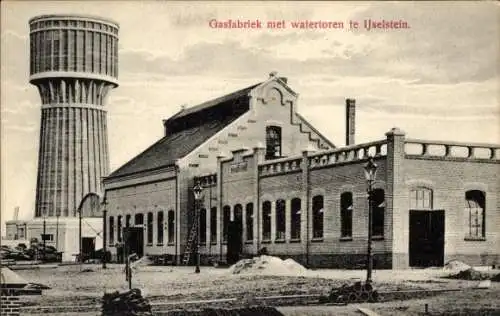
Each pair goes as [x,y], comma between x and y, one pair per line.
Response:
[437,79]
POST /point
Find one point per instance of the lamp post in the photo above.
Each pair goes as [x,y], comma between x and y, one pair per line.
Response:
[104,230]
[80,254]
[370,169]
[44,237]
[58,213]
[197,190]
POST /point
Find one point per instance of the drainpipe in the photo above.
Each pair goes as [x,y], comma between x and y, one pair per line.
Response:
[306,196]
[176,170]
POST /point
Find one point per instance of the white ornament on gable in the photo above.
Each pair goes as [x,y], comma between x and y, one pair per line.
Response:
[273,96]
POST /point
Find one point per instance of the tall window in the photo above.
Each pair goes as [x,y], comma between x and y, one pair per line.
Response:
[111,230]
[249,221]
[421,199]
[238,213]
[280,219]
[139,219]
[119,229]
[378,212]
[266,220]
[226,216]
[159,228]
[213,225]
[203,226]
[273,142]
[317,210]
[150,228]
[171,226]
[346,214]
[295,219]
[127,220]
[475,209]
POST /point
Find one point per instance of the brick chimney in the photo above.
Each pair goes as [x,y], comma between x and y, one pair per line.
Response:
[350,121]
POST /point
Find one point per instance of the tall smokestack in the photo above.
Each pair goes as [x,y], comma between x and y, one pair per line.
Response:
[350,121]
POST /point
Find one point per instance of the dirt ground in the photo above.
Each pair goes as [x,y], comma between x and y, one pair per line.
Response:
[72,286]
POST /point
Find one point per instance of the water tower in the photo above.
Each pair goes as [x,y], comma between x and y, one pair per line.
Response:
[74,64]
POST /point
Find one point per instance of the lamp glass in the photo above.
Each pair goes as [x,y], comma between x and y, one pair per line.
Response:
[197,191]
[370,170]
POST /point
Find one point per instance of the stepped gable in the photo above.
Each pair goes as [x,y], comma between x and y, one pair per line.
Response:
[187,130]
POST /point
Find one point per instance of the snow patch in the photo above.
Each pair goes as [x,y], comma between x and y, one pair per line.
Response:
[267,265]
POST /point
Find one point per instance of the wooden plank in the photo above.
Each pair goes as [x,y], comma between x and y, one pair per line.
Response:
[367,311]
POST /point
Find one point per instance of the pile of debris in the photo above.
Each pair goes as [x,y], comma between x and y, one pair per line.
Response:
[456,265]
[125,304]
[267,265]
[357,293]
[470,275]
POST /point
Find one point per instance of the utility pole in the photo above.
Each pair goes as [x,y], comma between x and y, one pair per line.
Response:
[104,231]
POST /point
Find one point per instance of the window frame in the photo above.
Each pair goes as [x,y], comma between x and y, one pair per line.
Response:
[160,228]
[280,220]
[295,219]
[318,217]
[249,216]
[274,146]
[346,215]
[479,203]
[266,221]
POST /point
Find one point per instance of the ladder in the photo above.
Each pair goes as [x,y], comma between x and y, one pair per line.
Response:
[190,243]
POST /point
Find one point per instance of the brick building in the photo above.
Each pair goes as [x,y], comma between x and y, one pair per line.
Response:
[271,180]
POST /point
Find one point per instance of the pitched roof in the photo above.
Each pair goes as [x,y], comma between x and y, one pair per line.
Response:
[192,129]
[214,102]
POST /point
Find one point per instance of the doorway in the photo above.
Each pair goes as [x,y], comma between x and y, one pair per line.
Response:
[426,247]
[134,240]
[88,247]
[235,236]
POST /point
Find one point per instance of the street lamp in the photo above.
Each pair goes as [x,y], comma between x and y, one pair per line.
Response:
[197,190]
[58,214]
[104,230]
[370,169]
[44,237]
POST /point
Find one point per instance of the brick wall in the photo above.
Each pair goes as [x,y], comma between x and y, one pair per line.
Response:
[10,302]
[142,194]
[450,180]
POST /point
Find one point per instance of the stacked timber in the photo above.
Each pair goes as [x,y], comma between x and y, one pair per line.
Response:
[125,304]
[357,293]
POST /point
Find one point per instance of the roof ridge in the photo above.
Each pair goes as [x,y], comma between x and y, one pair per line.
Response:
[211,102]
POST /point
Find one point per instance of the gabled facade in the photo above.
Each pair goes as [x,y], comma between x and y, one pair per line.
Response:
[156,184]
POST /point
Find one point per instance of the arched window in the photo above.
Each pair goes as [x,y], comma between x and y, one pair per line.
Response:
[139,219]
[378,207]
[150,228]
[421,199]
[213,225]
[475,210]
[226,216]
[249,221]
[266,221]
[111,230]
[295,219]
[238,213]
[317,212]
[346,208]
[273,142]
[171,226]
[203,226]
[280,219]
[119,228]
[160,227]
[127,220]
